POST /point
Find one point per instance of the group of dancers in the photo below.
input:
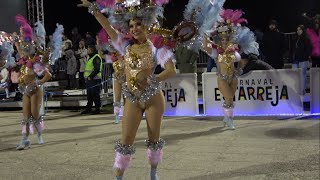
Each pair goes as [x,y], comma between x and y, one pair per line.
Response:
[139,45]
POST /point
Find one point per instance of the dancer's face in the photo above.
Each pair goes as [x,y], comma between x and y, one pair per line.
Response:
[224,40]
[137,30]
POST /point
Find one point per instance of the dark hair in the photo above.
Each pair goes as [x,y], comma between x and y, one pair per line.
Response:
[93,47]
[274,22]
[304,34]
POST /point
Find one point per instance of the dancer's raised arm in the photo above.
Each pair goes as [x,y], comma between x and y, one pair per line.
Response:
[104,22]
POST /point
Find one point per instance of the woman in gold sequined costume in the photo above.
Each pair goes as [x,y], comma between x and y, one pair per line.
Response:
[224,50]
[135,74]
[34,74]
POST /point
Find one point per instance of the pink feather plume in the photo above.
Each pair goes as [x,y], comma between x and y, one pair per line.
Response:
[161,2]
[103,36]
[106,3]
[26,28]
[233,16]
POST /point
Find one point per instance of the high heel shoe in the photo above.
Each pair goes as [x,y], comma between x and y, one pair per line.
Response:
[229,123]
[153,174]
[224,121]
[118,177]
[24,144]
[40,139]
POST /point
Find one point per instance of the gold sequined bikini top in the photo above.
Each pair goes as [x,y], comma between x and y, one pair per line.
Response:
[228,58]
[135,63]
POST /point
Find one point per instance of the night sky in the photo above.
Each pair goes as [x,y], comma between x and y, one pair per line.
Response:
[258,12]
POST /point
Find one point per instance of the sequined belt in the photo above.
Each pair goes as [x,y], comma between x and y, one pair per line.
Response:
[226,77]
[29,90]
[153,89]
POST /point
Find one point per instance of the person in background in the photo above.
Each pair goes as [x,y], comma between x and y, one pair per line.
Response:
[313,30]
[302,53]
[273,46]
[82,56]
[92,74]
[71,65]
[251,62]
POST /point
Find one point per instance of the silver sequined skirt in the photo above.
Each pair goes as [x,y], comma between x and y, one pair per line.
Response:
[153,89]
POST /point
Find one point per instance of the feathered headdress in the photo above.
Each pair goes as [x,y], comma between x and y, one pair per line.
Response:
[25,28]
[56,44]
[26,39]
[40,34]
[149,11]
[246,40]
[203,13]
[230,20]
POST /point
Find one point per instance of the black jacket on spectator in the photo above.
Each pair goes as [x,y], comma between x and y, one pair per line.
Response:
[273,48]
[255,64]
[302,49]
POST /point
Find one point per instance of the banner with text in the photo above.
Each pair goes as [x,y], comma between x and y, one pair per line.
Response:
[181,95]
[315,90]
[270,92]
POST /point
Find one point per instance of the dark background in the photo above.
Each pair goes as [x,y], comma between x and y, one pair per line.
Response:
[258,12]
[8,10]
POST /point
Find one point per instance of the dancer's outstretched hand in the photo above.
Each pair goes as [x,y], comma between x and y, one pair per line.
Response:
[84,3]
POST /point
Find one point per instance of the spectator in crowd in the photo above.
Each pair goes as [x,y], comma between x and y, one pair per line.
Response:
[14,77]
[259,38]
[273,46]
[250,62]
[313,31]
[89,40]
[186,59]
[92,73]
[302,53]
[4,76]
[71,65]
[82,56]
[76,38]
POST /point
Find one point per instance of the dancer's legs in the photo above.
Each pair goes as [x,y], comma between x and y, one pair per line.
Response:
[25,124]
[130,122]
[228,90]
[154,113]
[35,111]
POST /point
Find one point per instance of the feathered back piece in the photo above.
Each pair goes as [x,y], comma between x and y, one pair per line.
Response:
[103,37]
[204,13]
[6,52]
[148,11]
[246,40]
[103,40]
[57,44]
[25,28]
[40,34]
